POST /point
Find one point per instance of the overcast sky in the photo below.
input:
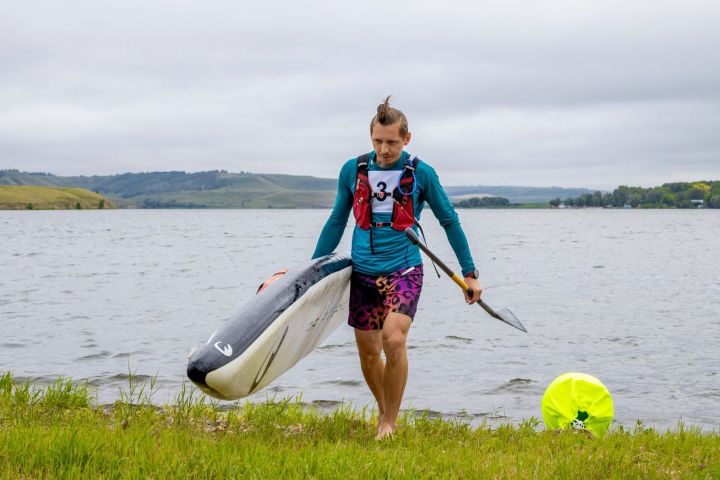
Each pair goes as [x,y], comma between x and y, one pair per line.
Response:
[538,93]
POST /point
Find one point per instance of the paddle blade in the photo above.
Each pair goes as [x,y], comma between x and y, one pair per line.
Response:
[503,314]
[508,317]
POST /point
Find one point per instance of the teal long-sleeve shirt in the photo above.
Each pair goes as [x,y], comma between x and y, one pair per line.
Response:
[393,251]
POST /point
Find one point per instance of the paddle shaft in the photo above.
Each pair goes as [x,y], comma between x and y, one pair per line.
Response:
[454,276]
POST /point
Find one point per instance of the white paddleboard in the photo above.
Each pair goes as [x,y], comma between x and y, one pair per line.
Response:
[275,330]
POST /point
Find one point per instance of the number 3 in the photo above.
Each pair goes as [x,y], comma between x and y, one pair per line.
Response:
[381,196]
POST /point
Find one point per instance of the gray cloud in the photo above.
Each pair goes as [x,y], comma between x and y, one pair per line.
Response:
[534,93]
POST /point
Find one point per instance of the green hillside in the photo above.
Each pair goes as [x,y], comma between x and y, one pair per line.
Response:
[210,189]
[50,198]
[232,198]
[222,189]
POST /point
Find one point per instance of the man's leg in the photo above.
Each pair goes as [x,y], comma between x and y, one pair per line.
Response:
[394,339]
[369,344]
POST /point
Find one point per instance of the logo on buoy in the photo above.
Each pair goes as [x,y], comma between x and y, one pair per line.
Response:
[227,350]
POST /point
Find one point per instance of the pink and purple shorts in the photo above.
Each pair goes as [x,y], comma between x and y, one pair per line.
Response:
[372,297]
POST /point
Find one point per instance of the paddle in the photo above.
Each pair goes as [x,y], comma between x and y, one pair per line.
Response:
[503,314]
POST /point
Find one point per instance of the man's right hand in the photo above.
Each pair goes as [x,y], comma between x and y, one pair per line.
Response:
[474,285]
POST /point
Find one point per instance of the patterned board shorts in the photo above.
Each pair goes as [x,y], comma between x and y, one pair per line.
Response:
[372,297]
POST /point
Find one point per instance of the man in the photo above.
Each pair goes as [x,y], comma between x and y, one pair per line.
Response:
[386,190]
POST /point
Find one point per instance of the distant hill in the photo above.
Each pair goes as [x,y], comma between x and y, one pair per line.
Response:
[221,189]
[211,189]
[14,197]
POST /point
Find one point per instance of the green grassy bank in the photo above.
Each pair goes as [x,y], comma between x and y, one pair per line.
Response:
[57,432]
[50,198]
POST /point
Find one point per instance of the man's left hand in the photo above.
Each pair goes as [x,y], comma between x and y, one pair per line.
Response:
[474,285]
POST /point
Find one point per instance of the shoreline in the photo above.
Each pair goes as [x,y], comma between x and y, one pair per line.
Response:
[491,419]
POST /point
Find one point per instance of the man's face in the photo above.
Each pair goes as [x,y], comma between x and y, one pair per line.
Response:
[388,143]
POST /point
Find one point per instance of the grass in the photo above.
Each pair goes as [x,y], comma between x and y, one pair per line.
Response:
[50,198]
[57,432]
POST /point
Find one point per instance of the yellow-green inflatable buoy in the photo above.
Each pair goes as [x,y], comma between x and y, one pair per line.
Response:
[578,400]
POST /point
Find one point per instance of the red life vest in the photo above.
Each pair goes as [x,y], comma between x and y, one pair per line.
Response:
[403,212]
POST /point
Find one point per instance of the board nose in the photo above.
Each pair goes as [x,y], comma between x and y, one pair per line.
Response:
[196,373]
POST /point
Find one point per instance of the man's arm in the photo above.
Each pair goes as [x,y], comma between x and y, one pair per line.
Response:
[449,220]
[333,230]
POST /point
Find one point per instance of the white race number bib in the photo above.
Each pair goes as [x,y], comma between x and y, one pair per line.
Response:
[383,182]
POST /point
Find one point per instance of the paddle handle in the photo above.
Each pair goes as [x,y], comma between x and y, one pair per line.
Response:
[461,283]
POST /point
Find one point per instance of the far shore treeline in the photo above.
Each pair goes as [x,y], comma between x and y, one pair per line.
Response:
[701,194]
[484,202]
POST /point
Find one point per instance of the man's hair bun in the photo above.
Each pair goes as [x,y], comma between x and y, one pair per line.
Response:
[387,115]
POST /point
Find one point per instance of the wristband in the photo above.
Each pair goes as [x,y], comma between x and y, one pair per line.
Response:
[473,274]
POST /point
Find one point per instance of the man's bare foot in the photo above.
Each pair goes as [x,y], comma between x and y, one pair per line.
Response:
[385,430]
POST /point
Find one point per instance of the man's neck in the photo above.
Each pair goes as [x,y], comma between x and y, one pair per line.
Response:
[390,164]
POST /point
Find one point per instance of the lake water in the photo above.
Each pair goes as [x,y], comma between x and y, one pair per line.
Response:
[629,296]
